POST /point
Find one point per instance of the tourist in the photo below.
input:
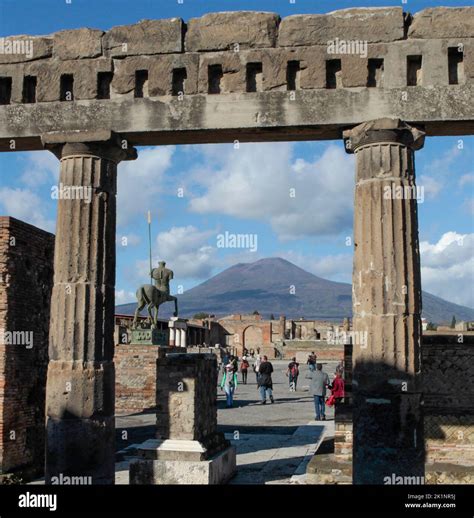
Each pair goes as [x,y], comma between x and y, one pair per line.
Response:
[244,368]
[256,366]
[265,384]
[311,362]
[229,384]
[292,373]
[337,387]
[319,382]
[235,364]
[225,361]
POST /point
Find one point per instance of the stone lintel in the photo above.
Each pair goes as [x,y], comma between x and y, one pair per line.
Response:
[385,130]
[178,323]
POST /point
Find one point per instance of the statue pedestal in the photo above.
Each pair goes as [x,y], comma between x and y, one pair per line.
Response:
[182,462]
[149,337]
[177,332]
[188,449]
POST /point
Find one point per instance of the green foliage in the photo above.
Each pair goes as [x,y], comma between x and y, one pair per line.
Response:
[200,316]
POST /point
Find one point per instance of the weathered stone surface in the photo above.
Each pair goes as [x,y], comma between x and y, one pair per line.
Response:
[354,71]
[41,47]
[145,37]
[78,44]
[221,31]
[388,421]
[443,22]
[365,24]
[160,73]
[217,470]
[80,384]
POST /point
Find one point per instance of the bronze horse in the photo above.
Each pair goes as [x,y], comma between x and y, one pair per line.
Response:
[151,297]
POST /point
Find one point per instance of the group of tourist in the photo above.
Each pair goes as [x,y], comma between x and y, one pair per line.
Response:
[263,369]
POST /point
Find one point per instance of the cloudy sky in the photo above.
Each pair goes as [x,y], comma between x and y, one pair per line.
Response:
[297,198]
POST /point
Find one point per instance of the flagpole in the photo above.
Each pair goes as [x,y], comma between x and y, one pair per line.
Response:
[149,242]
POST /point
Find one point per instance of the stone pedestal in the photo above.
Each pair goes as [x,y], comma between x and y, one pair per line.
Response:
[187,449]
[80,383]
[388,424]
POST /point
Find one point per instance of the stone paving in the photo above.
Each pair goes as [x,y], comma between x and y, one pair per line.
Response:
[274,442]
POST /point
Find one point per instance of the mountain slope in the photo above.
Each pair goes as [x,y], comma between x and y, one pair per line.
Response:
[277,286]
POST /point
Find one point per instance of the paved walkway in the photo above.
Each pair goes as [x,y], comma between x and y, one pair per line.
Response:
[274,441]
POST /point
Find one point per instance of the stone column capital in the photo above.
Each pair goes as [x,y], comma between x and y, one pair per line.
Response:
[100,143]
[382,131]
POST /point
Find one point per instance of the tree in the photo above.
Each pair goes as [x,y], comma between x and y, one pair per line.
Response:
[272,317]
[255,313]
[200,316]
[431,326]
[453,322]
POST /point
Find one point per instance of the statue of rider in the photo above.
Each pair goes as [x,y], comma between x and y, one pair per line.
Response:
[162,277]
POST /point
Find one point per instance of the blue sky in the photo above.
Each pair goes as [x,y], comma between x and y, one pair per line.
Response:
[196,193]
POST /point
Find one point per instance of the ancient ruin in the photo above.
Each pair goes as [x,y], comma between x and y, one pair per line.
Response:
[242,76]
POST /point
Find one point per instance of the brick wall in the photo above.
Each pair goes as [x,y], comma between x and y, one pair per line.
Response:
[26,278]
[135,378]
[135,375]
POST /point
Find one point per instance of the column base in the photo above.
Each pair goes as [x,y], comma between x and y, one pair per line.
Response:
[81,448]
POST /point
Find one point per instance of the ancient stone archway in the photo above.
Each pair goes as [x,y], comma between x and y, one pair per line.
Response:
[253,338]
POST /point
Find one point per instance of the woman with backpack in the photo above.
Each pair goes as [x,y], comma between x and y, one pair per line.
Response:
[229,383]
[292,373]
[244,367]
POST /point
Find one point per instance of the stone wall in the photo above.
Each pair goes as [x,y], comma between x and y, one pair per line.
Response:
[26,277]
[238,53]
[448,382]
[448,392]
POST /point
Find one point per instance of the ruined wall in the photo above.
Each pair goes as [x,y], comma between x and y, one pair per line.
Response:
[245,53]
[448,380]
[26,278]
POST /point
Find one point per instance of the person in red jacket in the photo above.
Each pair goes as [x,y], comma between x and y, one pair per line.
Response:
[337,389]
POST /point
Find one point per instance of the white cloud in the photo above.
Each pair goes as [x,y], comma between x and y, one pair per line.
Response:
[41,167]
[447,267]
[256,182]
[431,186]
[123,297]
[141,181]
[188,251]
[27,206]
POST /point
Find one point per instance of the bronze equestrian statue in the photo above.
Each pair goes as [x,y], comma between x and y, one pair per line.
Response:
[153,296]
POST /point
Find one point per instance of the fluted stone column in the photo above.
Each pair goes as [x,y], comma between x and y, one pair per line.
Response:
[172,339]
[386,296]
[80,386]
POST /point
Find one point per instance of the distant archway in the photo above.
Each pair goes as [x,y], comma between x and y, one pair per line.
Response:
[252,337]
